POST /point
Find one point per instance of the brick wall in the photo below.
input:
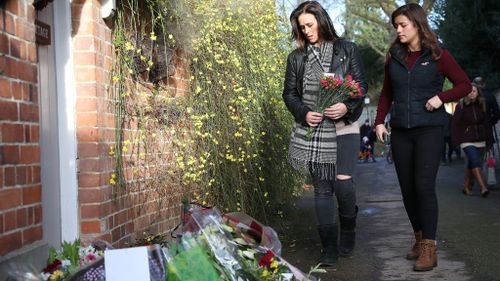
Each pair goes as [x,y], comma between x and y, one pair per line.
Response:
[117,216]
[20,186]
[117,219]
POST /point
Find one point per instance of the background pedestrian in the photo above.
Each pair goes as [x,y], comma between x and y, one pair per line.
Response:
[471,130]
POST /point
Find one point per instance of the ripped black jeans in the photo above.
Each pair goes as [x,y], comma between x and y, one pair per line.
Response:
[324,189]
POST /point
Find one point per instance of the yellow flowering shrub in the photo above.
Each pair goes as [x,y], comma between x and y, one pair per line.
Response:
[227,146]
[240,122]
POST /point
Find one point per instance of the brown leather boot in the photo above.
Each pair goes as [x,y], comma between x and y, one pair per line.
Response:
[467,182]
[415,250]
[478,174]
[428,258]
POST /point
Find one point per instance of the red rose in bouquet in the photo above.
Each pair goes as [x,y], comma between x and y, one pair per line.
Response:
[334,90]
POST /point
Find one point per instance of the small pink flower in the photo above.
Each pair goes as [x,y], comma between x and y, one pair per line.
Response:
[90,257]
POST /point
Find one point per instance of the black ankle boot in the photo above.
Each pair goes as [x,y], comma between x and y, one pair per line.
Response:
[347,234]
[329,253]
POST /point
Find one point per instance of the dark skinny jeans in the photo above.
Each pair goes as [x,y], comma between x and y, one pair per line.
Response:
[416,153]
[324,189]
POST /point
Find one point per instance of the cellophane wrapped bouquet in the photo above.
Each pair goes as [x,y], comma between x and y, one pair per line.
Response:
[210,247]
[237,246]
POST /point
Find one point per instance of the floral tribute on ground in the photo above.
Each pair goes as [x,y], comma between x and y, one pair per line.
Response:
[209,246]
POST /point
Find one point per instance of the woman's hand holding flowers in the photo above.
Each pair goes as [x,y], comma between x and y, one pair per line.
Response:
[314,118]
[336,111]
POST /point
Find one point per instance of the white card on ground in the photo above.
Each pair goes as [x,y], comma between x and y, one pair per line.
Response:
[129,264]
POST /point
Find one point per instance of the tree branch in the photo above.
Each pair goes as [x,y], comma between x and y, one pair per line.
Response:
[427,6]
[373,19]
[387,6]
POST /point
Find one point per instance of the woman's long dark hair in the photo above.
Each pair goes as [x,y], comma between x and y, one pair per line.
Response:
[480,98]
[326,29]
[416,14]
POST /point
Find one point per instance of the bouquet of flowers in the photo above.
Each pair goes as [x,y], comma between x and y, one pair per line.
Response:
[334,90]
[239,248]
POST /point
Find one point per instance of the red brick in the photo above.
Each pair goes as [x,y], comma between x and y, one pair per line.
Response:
[32,195]
[9,22]
[37,212]
[33,93]
[30,13]
[22,217]
[1,221]
[90,195]
[89,165]
[10,198]
[27,72]
[10,154]
[32,53]
[29,154]
[87,134]
[120,218]
[19,27]
[85,73]
[29,112]
[4,44]
[9,111]
[5,91]
[87,27]
[31,215]
[86,90]
[3,67]
[12,132]
[86,43]
[1,178]
[88,150]
[90,211]
[88,180]
[36,174]
[10,176]
[10,220]
[17,90]
[11,67]
[25,30]
[86,104]
[15,47]
[11,241]
[22,174]
[88,227]
[32,235]
[115,234]
[13,7]
[85,59]
[32,133]
[86,119]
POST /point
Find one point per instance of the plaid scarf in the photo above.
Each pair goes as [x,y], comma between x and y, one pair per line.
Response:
[319,154]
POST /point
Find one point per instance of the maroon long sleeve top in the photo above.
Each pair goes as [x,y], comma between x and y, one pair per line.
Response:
[447,66]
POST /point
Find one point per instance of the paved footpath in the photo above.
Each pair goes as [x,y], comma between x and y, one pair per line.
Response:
[468,231]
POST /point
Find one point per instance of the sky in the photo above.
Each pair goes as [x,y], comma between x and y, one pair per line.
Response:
[335,10]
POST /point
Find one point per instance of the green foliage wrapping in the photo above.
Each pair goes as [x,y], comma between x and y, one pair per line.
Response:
[69,251]
[241,125]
